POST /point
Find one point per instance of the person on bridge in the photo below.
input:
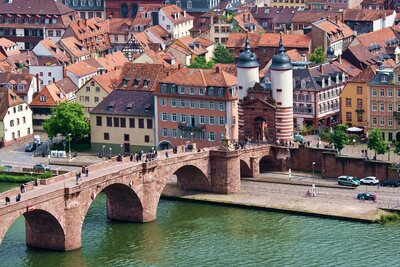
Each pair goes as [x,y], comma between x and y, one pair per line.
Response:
[77,178]
[22,188]
[86,171]
[18,198]
[8,200]
[166,154]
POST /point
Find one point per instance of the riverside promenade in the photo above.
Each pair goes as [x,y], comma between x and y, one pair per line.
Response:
[275,192]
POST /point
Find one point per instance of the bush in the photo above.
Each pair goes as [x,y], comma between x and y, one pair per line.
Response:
[16,179]
[391,217]
[325,135]
[45,175]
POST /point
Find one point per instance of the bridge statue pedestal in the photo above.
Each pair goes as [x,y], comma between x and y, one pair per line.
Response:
[225,170]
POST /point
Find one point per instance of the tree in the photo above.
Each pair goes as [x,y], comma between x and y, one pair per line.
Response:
[339,137]
[222,55]
[200,62]
[397,148]
[318,56]
[67,118]
[375,142]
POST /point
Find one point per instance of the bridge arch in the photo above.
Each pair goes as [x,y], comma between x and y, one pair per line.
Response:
[268,162]
[190,177]
[123,204]
[245,170]
[42,229]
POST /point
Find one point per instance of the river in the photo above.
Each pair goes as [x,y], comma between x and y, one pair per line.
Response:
[189,234]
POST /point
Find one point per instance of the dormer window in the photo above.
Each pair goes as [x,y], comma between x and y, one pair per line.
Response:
[146,83]
[323,83]
[211,91]
[42,98]
[163,88]
[189,4]
[147,107]
[136,82]
[111,105]
[9,85]
[329,81]
[178,3]
[20,87]
[384,78]
[125,81]
[129,106]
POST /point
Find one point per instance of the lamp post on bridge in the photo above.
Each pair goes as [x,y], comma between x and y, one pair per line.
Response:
[69,146]
[110,151]
[121,149]
[102,155]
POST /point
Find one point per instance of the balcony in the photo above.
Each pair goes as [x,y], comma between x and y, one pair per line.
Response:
[191,128]
[396,114]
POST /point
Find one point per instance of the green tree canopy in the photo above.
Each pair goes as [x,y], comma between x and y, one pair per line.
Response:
[67,118]
[200,62]
[339,137]
[318,56]
[222,55]
[375,142]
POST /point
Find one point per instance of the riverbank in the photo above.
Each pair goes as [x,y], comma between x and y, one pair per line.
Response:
[283,202]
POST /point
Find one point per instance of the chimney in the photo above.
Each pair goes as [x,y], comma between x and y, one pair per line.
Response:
[217,69]
[303,58]
[342,17]
[336,19]
[244,17]
[184,13]
[321,69]
[37,82]
[179,66]
[248,17]
[340,58]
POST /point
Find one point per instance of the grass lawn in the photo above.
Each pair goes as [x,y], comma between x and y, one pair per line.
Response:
[79,146]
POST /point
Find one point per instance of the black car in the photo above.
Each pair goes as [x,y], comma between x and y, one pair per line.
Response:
[391,183]
[30,147]
[366,196]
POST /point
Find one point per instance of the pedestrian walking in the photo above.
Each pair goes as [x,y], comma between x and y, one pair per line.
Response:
[87,172]
[18,198]
[36,182]
[8,200]
[166,154]
[22,188]
[83,169]
[131,157]
[77,178]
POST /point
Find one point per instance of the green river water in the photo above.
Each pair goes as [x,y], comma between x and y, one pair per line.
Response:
[189,234]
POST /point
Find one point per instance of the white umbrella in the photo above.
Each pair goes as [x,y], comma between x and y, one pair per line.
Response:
[354,129]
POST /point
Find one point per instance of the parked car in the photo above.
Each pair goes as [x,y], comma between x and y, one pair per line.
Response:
[370,180]
[298,138]
[30,147]
[366,196]
[41,167]
[36,140]
[391,183]
[348,180]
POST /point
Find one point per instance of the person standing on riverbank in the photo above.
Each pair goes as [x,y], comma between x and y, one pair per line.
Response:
[18,198]
[22,188]
[8,200]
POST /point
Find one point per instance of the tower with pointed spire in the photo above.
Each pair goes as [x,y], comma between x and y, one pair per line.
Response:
[247,69]
[282,91]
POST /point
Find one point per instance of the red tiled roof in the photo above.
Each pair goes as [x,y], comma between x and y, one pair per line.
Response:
[171,10]
[365,14]
[289,40]
[8,99]
[201,78]
[336,30]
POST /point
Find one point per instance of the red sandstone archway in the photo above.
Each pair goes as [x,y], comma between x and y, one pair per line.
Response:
[190,177]
[245,170]
[269,163]
[42,230]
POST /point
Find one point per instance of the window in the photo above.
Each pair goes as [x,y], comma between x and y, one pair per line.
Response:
[23,120]
[182,103]
[202,104]
[141,123]
[109,122]
[164,116]
[183,118]
[221,121]
[374,121]
[390,93]
[211,91]
[172,102]
[211,105]
[181,90]
[201,91]
[374,106]
[191,91]
[163,88]
[99,120]
[221,92]
[97,89]
[86,98]
[382,91]
[123,122]
[211,136]
[374,92]
[147,138]
[359,102]
[359,90]
[96,99]
[221,106]
[348,102]
[390,121]
[211,120]
[390,107]
[164,132]
[116,122]
[163,102]
[359,117]
[192,104]
[149,123]
[202,119]
[189,4]
[106,136]
[382,121]
[131,122]
[382,106]
[174,117]
[11,123]
[348,116]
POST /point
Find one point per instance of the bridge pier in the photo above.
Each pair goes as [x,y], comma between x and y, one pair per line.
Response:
[225,171]
[254,166]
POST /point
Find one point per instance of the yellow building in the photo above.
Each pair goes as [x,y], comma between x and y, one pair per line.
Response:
[123,123]
[353,99]
[287,3]
[96,89]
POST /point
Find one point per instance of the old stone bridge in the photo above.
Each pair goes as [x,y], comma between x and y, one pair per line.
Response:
[54,212]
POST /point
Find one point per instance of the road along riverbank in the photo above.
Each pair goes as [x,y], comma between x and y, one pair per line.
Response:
[281,198]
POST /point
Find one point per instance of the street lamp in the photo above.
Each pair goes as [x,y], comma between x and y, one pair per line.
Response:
[110,152]
[69,145]
[313,176]
[102,155]
[121,148]
[388,152]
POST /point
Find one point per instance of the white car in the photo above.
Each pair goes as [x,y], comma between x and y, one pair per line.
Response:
[371,180]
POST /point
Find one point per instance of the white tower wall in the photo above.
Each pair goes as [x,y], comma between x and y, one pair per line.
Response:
[283,80]
[246,77]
